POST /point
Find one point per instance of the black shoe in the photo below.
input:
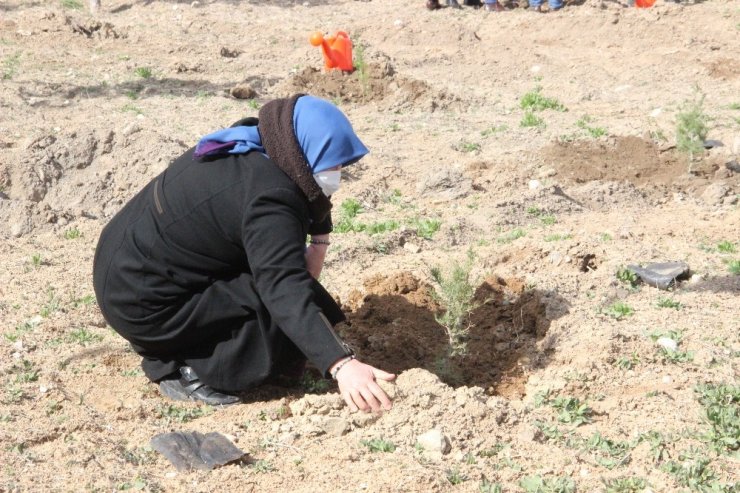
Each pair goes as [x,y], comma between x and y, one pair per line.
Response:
[189,387]
[453,4]
[472,3]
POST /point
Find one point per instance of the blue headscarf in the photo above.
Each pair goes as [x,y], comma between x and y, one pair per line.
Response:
[323,132]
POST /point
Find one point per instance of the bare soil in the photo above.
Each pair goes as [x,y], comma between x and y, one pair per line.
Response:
[93,106]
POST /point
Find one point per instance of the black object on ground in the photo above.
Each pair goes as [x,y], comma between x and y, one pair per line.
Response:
[189,450]
[661,274]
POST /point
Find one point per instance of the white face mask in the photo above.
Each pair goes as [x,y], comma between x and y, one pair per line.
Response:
[328,181]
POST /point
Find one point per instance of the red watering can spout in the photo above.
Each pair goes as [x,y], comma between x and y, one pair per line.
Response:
[337,50]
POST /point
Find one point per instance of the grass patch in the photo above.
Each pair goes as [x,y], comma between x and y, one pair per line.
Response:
[668,303]
[494,130]
[466,146]
[726,247]
[182,414]
[143,72]
[626,276]
[72,4]
[10,65]
[72,234]
[619,310]
[512,235]
[425,227]
[631,484]
[379,445]
[535,101]
[558,237]
[721,404]
[691,127]
[531,120]
[594,132]
[538,484]
[734,267]
[83,337]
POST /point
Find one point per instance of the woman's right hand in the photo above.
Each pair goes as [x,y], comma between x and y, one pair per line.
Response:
[358,386]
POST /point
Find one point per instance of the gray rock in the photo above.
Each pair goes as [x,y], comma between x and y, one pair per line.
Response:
[335,426]
[714,193]
[448,184]
[434,441]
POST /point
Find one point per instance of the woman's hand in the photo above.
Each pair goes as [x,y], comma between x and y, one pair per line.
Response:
[315,255]
[358,386]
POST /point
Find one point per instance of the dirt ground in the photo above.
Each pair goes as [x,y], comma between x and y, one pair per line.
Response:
[92,107]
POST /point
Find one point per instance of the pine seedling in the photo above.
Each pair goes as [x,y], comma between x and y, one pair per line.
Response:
[691,127]
[455,292]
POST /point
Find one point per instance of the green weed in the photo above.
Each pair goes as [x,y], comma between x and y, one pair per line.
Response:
[181,414]
[465,146]
[25,373]
[594,132]
[548,220]
[692,471]
[535,101]
[558,237]
[604,237]
[425,227]
[726,247]
[668,303]
[83,337]
[494,130]
[734,266]
[514,234]
[626,276]
[721,404]
[314,385]
[10,65]
[143,72]
[571,410]
[36,260]
[609,453]
[455,293]
[252,103]
[531,120]
[21,329]
[263,466]
[86,300]
[128,107]
[454,476]
[487,486]
[625,485]
[538,484]
[72,234]
[734,106]
[619,310]
[691,127]
[627,363]
[72,4]
[379,445]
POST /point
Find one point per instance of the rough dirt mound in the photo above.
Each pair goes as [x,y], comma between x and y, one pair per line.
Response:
[393,326]
[376,82]
[629,158]
[59,177]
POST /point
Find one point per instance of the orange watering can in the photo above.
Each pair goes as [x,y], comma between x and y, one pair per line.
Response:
[644,4]
[337,50]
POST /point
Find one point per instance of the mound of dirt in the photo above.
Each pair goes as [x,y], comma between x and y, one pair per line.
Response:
[376,82]
[629,158]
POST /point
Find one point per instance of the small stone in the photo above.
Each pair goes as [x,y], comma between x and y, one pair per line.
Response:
[696,279]
[43,389]
[195,4]
[714,193]
[555,258]
[288,438]
[656,112]
[667,379]
[361,420]
[131,129]
[528,434]
[170,474]
[334,426]
[434,441]
[411,247]
[243,91]
[534,184]
[668,344]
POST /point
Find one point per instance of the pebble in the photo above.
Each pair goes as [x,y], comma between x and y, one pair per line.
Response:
[668,344]
[534,184]
[434,441]
[667,379]
[411,247]
[335,426]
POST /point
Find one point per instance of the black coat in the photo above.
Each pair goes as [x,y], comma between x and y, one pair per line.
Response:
[205,266]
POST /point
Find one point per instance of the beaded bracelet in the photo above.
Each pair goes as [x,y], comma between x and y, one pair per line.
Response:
[340,365]
[320,242]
